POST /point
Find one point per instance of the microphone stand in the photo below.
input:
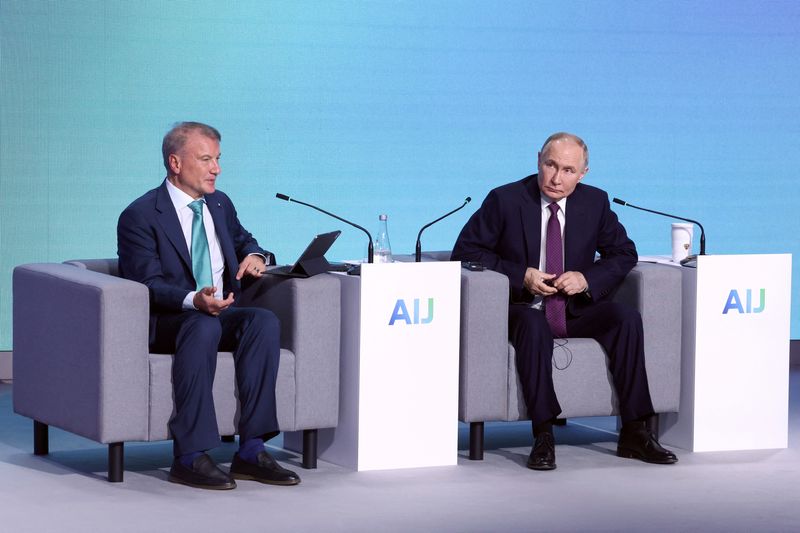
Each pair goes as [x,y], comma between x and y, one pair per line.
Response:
[702,231]
[418,253]
[370,250]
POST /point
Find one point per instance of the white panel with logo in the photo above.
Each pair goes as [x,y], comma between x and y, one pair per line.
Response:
[735,364]
[410,314]
[399,368]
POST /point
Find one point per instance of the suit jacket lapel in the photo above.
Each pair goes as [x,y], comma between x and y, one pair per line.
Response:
[575,219]
[168,219]
[531,216]
[223,234]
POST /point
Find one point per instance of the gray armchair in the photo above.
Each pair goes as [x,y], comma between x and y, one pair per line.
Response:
[489,388]
[81,358]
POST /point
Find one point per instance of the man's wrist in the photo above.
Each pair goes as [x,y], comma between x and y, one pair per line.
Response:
[262,256]
[586,291]
[188,302]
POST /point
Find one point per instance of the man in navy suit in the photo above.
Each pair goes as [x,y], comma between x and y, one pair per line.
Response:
[543,233]
[184,241]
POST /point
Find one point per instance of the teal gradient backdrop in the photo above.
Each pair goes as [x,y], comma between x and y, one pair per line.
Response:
[397,107]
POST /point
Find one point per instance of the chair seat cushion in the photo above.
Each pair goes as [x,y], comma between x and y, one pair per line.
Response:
[580,376]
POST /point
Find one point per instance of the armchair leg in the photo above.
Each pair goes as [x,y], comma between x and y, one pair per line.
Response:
[41,439]
[476,441]
[310,448]
[560,422]
[116,461]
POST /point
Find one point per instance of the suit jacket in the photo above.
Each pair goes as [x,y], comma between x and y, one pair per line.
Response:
[504,234]
[152,249]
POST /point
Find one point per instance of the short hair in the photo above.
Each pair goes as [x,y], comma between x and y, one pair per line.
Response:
[572,137]
[176,137]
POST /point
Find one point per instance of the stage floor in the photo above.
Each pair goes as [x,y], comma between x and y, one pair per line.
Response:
[592,489]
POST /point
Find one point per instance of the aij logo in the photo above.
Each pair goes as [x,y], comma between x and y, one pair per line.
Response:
[734,302]
[401,314]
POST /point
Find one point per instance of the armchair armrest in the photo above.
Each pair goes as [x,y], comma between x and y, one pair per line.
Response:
[80,351]
[309,311]
[483,379]
[655,290]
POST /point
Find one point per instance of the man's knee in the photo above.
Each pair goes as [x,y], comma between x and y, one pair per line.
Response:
[526,320]
[202,329]
[529,332]
[265,322]
[624,315]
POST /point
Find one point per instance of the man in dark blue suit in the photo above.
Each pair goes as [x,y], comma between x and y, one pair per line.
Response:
[543,233]
[184,241]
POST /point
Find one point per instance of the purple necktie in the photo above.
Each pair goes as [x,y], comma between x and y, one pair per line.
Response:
[555,306]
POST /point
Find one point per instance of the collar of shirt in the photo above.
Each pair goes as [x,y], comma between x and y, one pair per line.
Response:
[180,199]
[545,201]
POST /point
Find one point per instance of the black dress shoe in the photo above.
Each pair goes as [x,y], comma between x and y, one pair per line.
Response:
[543,455]
[266,471]
[204,474]
[637,442]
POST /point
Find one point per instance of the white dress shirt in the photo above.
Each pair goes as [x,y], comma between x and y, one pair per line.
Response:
[181,201]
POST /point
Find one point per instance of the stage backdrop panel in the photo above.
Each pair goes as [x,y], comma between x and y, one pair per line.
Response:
[402,108]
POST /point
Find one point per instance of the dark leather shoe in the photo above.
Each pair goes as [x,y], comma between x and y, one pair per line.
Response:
[204,474]
[543,455]
[266,471]
[638,442]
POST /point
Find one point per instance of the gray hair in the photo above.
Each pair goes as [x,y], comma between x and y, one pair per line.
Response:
[561,135]
[176,137]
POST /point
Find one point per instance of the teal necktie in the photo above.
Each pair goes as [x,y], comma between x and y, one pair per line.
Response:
[201,257]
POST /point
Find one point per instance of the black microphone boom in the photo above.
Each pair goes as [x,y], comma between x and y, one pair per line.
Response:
[702,231]
[418,254]
[369,248]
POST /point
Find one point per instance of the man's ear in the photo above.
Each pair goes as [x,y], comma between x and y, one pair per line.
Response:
[174,163]
[585,171]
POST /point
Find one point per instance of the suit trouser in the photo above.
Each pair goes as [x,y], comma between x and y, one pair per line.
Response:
[618,329]
[253,335]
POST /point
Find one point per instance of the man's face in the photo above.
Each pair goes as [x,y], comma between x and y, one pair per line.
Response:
[561,167]
[195,167]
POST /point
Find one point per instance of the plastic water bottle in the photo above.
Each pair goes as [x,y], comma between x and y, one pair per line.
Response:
[383,250]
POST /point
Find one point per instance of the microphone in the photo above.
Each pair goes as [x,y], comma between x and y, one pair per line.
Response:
[702,231]
[369,248]
[418,254]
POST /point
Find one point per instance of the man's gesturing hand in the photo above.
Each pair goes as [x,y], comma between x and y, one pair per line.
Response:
[252,265]
[204,301]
